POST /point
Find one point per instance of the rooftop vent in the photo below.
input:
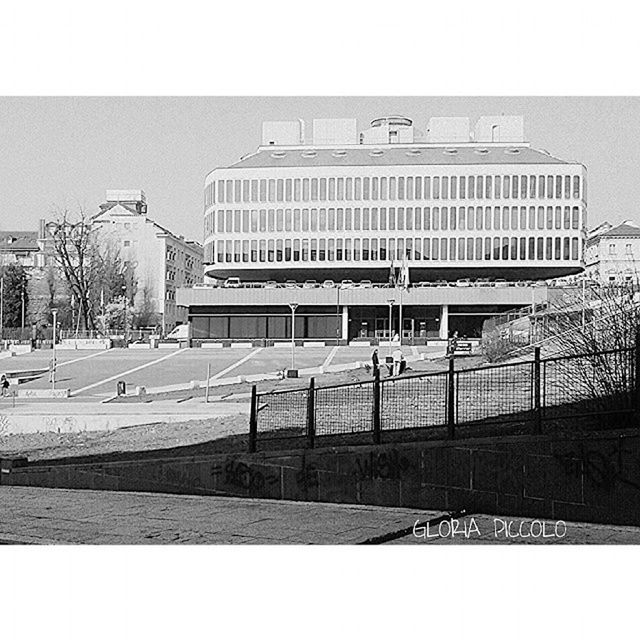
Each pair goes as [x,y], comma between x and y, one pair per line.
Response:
[339,154]
[414,152]
[376,153]
[278,154]
[512,150]
[309,154]
[450,151]
[482,151]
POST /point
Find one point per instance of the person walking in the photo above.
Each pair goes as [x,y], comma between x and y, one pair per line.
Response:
[4,384]
[375,361]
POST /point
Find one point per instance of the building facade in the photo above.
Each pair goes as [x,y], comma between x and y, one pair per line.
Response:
[162,261]
[612,253]
[447,204]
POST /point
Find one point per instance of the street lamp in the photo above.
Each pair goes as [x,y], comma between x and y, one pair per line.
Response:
[53,367]
[338,324]
[390,303]
[124,315]
[294,306]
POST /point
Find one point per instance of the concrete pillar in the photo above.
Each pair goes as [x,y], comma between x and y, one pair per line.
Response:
[345,323]
[444,322]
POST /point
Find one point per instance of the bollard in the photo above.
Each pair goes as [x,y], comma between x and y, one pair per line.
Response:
[122,388]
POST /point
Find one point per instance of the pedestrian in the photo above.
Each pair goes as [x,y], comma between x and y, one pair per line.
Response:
[397,358]
[403,365]
[52,370]
[375,361]
[4,383]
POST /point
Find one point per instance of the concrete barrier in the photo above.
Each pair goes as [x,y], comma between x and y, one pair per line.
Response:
[311,345]
[211,345]
[43,393]
[242,345]
[168,345]
[139,346]
[84,344]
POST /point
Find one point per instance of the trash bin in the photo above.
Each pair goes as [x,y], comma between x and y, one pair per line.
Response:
[122,388]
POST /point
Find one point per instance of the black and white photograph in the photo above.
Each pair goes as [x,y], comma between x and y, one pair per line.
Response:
[388,329]
[319,320]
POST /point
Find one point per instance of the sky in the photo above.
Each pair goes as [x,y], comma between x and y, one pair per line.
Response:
[66,152]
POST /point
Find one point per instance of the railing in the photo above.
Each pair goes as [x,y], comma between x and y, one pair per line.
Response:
[523,394]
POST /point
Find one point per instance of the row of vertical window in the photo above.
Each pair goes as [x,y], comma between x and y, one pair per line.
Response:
[401,218]
[365,249]
[393,188]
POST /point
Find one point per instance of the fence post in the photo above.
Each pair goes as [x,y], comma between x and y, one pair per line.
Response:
[636,357]
[377,388]
[253,420]
[311,413]
[451,409]
[537,393]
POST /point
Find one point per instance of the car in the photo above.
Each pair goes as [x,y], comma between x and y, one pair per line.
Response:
[365,284]
[499,282]
[463,282]
[441,283]
[347,284]
[290,284]
[424,284]
[271,284]
[328,284]
[309,284]
[232,283]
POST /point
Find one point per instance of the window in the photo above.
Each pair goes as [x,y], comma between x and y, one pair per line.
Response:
[349,189]
[305,189]
[400,218]
[322,250]
[506,186]
[575,218]
[374,188]
[480,187]
[496,184]
[366,193]
[445,188]
[567,187]
[436,188]
[323,189]
[576,187]
[471,188]
[383,188]
[488,189]
[314,189]
[427,188]
[332,188]
[514,186]
[400,188]
[357,189]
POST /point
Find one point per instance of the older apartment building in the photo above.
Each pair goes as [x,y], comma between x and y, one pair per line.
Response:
[162,261]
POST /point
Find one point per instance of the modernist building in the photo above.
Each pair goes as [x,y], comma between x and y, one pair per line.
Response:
[162,261]
[612,253]
[449,203]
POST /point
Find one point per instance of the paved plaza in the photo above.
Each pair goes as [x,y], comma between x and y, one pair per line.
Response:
[60,516]
[93,376]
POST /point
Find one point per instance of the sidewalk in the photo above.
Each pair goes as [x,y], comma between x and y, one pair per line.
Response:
[59,516]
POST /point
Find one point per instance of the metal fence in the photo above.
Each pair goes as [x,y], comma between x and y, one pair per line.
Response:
[528,393]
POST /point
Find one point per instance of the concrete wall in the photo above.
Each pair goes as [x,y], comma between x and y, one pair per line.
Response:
[592,478]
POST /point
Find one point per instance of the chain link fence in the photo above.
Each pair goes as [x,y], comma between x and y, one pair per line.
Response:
[523,392]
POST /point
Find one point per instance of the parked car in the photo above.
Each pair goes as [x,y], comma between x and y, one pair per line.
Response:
[463,282]
[271,284]
[441,283]
[424,284]
[232,283]
[290,284]
[328,284]
[365,284]
[347,284]
[309,284]
[499,282]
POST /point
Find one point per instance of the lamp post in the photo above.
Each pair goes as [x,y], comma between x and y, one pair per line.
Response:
[1,306]
[338,332]
[53,367]
[124,315]
[390,303]
[294,306]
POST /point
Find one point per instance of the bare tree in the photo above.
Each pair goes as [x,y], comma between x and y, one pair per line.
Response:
[93,269]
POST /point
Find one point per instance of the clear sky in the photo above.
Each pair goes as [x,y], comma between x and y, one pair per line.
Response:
[57,152]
